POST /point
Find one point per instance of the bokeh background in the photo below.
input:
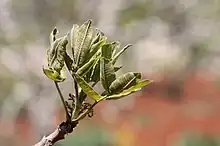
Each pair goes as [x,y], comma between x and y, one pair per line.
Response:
[175,43]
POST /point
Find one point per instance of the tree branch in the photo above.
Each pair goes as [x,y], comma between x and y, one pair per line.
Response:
[59,134]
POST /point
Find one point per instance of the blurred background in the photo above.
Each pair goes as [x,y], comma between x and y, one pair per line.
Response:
[175,43]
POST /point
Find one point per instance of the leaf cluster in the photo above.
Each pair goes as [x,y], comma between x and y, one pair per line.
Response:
[92,60]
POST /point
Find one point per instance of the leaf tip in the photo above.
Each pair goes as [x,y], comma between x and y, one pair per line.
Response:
[128,45]
[150,81]
[55,31]
[89,21]
[53,75]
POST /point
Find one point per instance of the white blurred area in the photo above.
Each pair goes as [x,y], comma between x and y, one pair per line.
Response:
[162,42]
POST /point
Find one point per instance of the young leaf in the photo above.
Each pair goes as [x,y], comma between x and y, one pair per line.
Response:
[52,51]
[86,67]
[130,90]
[124,81]
[81,41]
[96,38]
[87,88]
[54,75]
[56,56]
[69,62]
[56,52]
[53,35]
[107,73]
[107,51]
[96,47]
[97,44]
[74,30]
[115,47]
[119,53]
[95,74]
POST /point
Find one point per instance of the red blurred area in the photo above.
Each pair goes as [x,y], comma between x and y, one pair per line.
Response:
[174,106]
[171,106]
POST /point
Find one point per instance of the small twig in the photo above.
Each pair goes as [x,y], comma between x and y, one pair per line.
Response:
[63,101]
[81,116]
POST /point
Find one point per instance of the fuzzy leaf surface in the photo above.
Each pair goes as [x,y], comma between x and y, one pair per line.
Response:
[87,88]
[130,90]
[124,81]
[56,59]
[107,73]
[81,41]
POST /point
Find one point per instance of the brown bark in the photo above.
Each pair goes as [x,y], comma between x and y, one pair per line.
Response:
[58,134]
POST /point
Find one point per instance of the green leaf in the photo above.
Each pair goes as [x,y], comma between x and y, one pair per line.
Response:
[124,81]
[53,75]
[115,57]
[97,46]
[56,59]
[74,30]
[69,62]
[107,51]
[52,51]
[87,88]
[130,90]
[81,41]
[56,53]
[96,38]
[53,35]
[115,47]
[95,75]
[107,73]
[86,67]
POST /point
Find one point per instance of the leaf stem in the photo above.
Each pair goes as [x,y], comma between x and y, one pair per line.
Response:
[63,101]
[76,96]
[75,112]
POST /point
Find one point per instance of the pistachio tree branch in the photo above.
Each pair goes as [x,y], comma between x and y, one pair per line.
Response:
[59,134]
